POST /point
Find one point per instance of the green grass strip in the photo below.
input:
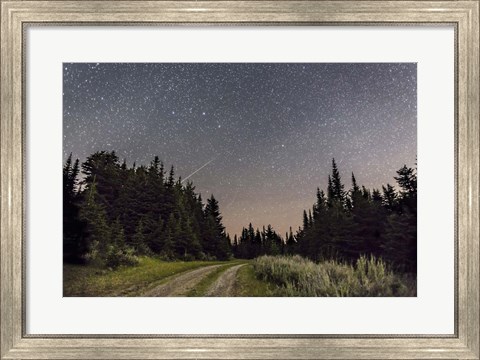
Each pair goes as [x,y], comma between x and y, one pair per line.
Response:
[203,286]
[84,280]
[249,285]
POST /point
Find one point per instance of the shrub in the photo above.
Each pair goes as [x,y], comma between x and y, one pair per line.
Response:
[167,256]
[93,255]
[120,256]
[297,276]
[188,257]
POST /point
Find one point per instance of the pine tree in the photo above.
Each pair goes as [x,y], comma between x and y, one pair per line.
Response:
[138,240]
[171,178]
[157,239]
[98,232]
[400,246]
[306,222]
[257,242]
[338,189]
[407,179]
[216,237]
[367,225]
[320,206]
[389,198]
[171,232]
[290,242]
[235,247]
[376,196]
[118,234]
[356,194]
[186,244]
[103,168]
[74,245]
[330,192]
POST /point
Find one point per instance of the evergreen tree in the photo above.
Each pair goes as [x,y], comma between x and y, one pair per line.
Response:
[235,247]
[367,226]
[257,242]
[157,239]
[171,232]
[216,237]
[171,178]
[400,247]
[118,234]
[376,196]
[338,189]
[138,240]
[103,168]
[356,195]
[98,233]
[290,243]
[407,180]
[74,245]
[306,222]
[186,244]
[389,198]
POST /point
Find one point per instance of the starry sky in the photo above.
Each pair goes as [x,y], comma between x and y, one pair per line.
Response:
[259,136]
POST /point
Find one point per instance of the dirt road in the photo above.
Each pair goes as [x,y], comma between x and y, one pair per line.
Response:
[225,284]
[181,284]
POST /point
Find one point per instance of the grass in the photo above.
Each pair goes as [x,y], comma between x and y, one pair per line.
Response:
[202,287]
[249,285]
[80,280]
[264,276]
[296,276]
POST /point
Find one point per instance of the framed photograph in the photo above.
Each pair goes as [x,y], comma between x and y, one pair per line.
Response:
[227,179]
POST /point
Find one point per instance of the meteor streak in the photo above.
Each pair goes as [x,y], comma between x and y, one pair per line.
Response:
[200,168]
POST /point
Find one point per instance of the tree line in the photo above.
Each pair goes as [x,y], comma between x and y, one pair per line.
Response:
[112,213]
[344,225]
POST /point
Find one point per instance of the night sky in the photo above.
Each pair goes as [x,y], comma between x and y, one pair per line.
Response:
[260,137]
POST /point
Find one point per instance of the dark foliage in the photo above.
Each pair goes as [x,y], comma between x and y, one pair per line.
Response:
[115,213]
[74,244]
[345,225]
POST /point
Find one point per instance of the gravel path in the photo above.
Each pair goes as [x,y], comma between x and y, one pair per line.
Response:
[225,284]
[181,284]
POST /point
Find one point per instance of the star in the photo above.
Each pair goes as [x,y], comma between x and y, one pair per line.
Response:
[273,128]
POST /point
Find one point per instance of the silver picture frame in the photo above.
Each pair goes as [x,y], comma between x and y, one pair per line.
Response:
[16,16]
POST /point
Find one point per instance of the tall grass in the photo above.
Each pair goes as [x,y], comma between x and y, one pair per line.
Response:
[297,276]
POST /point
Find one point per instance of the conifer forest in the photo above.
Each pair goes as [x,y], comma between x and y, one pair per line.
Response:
[239,180]
[117,213]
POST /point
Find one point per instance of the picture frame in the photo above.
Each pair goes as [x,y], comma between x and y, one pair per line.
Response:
[17,344]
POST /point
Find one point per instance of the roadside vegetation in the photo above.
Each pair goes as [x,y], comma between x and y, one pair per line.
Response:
[248,284]
[265,276]
[297,276]
[81,280]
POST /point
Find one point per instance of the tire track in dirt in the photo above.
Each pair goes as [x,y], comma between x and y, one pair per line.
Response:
[226,283]
[181,284]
